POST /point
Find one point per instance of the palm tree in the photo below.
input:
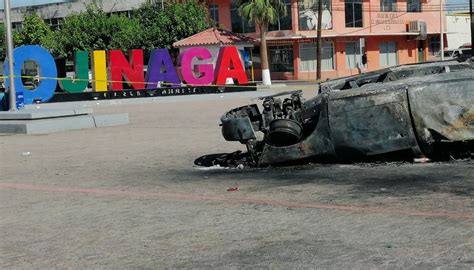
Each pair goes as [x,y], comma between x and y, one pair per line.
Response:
[263,13]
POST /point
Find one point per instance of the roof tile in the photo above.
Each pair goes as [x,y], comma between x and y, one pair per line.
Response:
[215,36]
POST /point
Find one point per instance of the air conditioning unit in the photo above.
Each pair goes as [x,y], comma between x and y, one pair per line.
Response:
[418,26]
[415,26]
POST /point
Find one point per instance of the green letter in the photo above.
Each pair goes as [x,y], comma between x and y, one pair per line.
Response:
[81,70]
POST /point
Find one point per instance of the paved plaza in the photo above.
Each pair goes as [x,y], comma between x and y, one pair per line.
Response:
[129,197]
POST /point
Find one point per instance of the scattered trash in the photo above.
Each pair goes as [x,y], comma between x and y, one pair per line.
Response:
[26,154]
[421,160]
[240,166]
[383,189]
[232,189]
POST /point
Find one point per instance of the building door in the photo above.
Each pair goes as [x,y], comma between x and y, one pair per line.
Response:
[281,58]
[421,51]
[388,54]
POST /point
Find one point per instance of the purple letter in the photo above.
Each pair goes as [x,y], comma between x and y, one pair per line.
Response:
[160,59]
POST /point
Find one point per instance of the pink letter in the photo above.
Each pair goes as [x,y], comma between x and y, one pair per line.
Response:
[205,71]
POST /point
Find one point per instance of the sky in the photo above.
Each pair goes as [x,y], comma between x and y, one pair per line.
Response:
[457,4]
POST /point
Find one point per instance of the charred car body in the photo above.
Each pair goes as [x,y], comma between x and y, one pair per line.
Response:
[420,110]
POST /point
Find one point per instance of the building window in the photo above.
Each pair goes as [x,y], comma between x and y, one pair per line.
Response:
[388,5]
[353,13]
[125,13]
[214,13]
[388,54]
[17,25]
[354,52]
[434,45]
[239,24]
[308,57]
[308,14]
[413,5]
[54,23]
[281,58]
[284,23]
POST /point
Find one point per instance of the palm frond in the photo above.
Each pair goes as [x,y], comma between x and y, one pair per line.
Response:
[262,12]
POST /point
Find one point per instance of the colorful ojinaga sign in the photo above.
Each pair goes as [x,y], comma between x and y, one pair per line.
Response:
[108,69]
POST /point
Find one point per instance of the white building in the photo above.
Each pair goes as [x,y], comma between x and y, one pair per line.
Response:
[458,29]
[54,11]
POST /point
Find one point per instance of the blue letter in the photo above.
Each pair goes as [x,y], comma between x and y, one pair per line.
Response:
[47,70]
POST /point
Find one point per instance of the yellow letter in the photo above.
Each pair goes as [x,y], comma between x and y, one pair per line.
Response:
[99,68]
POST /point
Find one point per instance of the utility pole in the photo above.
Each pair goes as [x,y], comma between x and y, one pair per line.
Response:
[441,34]
[472,27]
[8,24]
[319,45]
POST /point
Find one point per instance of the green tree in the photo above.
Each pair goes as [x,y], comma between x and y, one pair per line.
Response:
[35,31]
[126,33]
[263,13]
[164,26]
[3,41]
[95,30]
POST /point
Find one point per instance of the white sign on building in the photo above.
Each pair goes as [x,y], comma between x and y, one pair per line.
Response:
[458,29]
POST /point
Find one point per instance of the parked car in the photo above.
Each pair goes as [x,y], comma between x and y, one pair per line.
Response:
[448,55]
[462,53]
[459,53]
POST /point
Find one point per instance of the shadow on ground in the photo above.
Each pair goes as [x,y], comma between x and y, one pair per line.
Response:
[387,179]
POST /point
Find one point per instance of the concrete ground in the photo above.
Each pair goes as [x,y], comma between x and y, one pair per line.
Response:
[129,197]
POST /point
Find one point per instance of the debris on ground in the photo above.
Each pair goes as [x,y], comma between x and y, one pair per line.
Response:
[421,160]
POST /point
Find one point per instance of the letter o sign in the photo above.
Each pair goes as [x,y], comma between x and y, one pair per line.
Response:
[47,69]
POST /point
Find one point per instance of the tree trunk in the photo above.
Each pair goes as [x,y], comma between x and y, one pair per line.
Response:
[264,56]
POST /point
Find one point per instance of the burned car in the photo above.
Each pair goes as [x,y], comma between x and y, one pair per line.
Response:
[402,112]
